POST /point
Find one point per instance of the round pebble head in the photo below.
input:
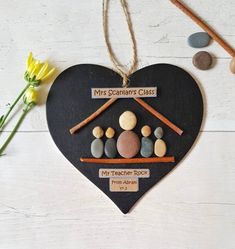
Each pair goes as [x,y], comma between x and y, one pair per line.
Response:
[146,131]
[127,121]
[98,132]
[158,132]
[202,60]
[110,132]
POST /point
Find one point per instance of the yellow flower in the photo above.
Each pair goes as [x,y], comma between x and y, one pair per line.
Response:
[37,71]
[30,96]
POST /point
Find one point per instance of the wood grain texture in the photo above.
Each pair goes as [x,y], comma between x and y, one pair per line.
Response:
[42,199]
[43,204]
[69,36]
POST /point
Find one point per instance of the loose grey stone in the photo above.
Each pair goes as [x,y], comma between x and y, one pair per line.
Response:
[97,148]
[158,132]
[199,40]
[146,147]
[110,148]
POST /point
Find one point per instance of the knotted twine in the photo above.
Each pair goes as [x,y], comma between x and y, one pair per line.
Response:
[122,70]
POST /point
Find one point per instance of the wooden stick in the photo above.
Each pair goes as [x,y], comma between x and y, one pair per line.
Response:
[140,101]
[159,116]
[93,115]
[204,26]
[169,159]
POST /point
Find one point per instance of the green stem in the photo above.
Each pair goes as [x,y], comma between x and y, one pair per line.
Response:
[25,111]
[13,105]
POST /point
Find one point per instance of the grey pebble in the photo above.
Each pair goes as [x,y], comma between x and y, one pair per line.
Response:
[110,148]
[158,132]
[97,148]
[199,40]
[202,60]
[146,147]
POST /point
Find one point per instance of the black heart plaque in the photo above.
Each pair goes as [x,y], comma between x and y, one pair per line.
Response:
[69,102]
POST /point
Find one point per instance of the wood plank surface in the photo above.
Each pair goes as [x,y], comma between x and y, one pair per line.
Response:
[45,202]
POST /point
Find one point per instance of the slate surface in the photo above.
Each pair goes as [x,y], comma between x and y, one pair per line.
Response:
[69,102]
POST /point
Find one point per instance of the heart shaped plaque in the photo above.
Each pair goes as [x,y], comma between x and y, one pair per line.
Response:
[69,102]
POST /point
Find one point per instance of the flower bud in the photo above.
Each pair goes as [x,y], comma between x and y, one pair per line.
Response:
[30,96]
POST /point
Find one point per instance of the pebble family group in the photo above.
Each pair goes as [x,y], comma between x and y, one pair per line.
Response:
[128,144]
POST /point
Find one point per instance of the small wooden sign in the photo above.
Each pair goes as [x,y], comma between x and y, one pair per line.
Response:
[124,184]
[121,173]
[129,92]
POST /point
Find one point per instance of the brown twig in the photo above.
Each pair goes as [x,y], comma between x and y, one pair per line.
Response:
[159,116]
[169,159]
[93,116]
[204,26]
[141,102]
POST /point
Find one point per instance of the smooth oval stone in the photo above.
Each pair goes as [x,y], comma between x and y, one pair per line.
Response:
[128,144]
[160,148]
[110,148]
[202,60]
[146,147]
[98,132]
[199,40]
[127,120]
[97,148]
[110,132]
[146,131]
[158,132]
[232,65]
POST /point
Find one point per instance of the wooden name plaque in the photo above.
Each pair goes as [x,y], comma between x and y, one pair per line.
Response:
[121,92]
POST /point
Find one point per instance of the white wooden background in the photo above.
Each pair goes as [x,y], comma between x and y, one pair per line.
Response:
[45,202]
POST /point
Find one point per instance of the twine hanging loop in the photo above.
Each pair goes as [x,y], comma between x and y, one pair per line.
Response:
[124,72]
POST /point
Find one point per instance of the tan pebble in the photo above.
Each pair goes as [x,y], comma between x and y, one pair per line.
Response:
[110,132]
[127,121]
[160,148]
[98,132]
[232,65]
[146,131]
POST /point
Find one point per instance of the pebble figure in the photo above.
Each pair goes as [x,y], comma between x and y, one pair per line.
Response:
[160,145]
[110,148]
[128,143]
[146,143]
[97,145]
